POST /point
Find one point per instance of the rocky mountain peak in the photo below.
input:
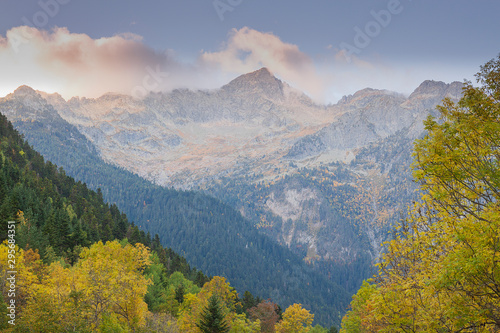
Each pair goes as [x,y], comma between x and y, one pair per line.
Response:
[23,91]
[364,96]
[111,96]
[55,99]
[455,90]
[430,93]
[430,87]
[258,82]
[438,88]
[26,103]
[262,73]
[27,96]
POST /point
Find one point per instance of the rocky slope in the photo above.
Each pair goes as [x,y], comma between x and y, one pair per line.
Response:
[374,115]
[184,137]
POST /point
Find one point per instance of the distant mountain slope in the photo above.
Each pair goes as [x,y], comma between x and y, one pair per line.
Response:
[58,216]
[211,235]
[185,138]
[375,115]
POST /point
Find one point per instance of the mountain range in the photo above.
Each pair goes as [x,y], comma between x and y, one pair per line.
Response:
[323,181]
[188,138]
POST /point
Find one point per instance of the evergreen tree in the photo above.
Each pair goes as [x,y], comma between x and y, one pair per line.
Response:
[333,329]
[213,319]
[200,279]
[248,301]
[78,237]
[179,293]
[63,230]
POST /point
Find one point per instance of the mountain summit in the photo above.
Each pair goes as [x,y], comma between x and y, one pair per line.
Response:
[24,90]
[260,82]
[430,93]
[26,95]
[34,106]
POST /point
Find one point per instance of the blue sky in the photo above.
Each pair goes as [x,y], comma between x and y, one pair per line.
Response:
[200,46]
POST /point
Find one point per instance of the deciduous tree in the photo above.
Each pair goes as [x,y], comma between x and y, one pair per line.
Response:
[267,313]
[441,271]
[296,319]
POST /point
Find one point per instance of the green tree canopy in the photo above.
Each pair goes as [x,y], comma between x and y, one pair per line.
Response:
[213,317]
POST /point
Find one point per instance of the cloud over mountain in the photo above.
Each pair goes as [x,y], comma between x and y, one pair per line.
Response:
[248,49]
[76,64]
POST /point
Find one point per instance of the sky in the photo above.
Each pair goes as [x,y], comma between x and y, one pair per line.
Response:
[326,48]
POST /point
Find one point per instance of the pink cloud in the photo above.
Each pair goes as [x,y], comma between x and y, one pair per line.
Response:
[78,65]
[75,64]
[248,50]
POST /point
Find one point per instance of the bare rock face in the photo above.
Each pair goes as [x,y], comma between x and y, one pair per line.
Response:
[26,103]
[168,137]
[260,84]
[36,110]
[431,93]
[255,118]
[374,115]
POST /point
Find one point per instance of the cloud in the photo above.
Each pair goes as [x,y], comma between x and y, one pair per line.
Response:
[75,64]
[78,65]
[347,74]
[248,50]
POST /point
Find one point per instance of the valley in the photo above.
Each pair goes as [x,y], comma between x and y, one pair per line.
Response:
[250,141]
[325,182]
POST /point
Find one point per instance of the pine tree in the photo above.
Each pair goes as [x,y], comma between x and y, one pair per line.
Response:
[179,293]
[333,329]
[200,279]
[213,319]
[248,301]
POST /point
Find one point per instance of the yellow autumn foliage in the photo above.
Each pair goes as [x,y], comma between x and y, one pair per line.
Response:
[441,272]
[106,281]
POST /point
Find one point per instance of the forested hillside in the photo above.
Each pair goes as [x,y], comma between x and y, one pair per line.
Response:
[335,208]
[78,265]
[211,235]
[55,219]
[332,210]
